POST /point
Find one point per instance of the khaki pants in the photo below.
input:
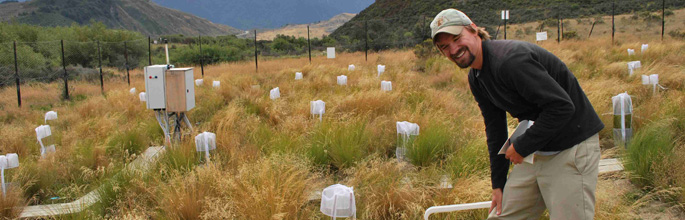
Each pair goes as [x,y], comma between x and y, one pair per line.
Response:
[564,183]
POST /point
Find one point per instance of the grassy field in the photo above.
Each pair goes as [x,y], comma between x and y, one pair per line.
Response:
[271,154]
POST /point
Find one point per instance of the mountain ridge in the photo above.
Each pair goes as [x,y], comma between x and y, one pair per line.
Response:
[137,15]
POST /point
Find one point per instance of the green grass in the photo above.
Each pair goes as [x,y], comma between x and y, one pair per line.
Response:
[651,144]
[126,143]
[338,144]
[434,143]
[470,159]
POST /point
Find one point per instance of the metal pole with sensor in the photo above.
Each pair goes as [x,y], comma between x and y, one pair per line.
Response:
[505,17]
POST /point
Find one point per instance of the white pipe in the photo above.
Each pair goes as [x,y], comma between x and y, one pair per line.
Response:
[166,49]
[3,183]
[452,208]
[207,147]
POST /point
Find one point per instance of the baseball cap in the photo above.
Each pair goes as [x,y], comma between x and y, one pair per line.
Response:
[451,21]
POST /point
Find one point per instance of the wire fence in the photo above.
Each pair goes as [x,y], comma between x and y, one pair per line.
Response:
[98,62]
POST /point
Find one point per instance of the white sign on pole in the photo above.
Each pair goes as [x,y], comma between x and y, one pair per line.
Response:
[540,36]
[330,52]
[505,14]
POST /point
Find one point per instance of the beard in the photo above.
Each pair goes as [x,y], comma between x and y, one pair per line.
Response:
[467,59]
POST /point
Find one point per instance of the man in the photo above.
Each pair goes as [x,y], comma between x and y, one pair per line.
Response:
[531,84]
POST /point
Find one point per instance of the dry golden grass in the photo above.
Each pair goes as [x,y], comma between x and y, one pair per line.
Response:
[260,171]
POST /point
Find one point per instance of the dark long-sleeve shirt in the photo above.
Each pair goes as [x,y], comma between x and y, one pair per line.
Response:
[530,83]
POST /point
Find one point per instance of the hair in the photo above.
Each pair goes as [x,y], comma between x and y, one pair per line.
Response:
[482,33]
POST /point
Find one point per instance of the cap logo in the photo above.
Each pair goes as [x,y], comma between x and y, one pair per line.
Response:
[440,20]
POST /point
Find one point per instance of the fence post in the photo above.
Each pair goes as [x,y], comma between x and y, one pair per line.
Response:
[256,63]
[663,18]
[366,40]
[592,28]
[66,75]
[202,59]
[561,21]
[505,29]
[613,27]
[149,50]
[559,29]
[128,76]
[309,46]
[16,74]
[102,84]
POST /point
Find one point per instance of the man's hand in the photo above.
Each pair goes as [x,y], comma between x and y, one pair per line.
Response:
[514,157]
[496,201]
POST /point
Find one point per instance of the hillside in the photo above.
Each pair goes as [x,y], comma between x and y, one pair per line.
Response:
[318,29]
[266,14]
[137,15]
[406,20]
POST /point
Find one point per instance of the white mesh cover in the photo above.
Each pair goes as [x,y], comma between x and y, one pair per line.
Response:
[216,84]
[407,128]
[654,79]
[338,201]
[381,69]
[132,91]
[342,80]
[12,161]
[205,141]
[275,93]
[631,52]
[142,97]
[350,67]
[644,48]
[645,80]
[623,106]
[198,82]
[317,107]
[298,75]
[632,65]
[51,115]
[386,86]
[43,133]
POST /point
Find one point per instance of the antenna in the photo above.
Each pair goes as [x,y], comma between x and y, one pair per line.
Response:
[166,50]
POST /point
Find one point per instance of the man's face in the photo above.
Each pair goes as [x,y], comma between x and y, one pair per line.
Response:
[458,48]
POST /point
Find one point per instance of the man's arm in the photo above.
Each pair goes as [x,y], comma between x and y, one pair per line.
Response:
[496,132]
[532,81]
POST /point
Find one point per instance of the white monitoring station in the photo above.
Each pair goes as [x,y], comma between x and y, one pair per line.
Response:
[170,92]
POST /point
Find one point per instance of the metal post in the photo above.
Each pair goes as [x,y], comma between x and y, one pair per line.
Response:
[505,29]
[561,20]
[613,26]
[128,76]
[559,30]
[256,63]
[16,74]
[663,18]
[366,40]
[309,45]
[202,59]
[149,51]
[102,84]
[66,76]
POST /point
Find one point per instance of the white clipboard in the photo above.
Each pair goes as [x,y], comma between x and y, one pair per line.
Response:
[520,129]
